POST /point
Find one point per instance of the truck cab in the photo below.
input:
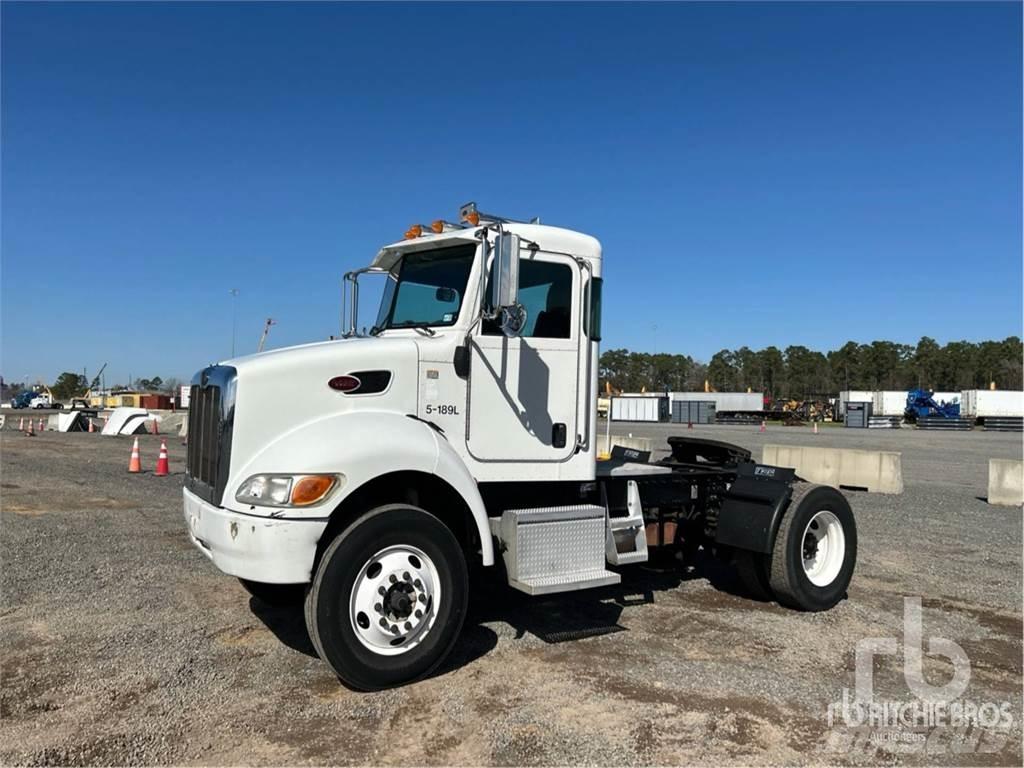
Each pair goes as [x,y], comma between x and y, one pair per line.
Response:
[458,431]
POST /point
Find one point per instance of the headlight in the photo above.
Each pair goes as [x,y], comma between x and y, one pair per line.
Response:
[286,490]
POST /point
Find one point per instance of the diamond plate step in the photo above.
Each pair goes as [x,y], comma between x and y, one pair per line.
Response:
[555,549]
[569,582]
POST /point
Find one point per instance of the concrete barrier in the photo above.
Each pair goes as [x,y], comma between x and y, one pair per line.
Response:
[1006,482]
[878,471]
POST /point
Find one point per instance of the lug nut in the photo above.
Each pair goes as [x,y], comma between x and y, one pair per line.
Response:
[408,626]
[406,576]
[418,584]
[419,614]
[381,591]
[378,608]
[423,598]
[394,629]
[383,622]
[392,578]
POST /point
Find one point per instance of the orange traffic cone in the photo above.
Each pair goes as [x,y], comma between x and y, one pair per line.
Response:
[42,425]
[21,424]
[29,431]
[92,426]
[134,464]
[162,470]
[763,425]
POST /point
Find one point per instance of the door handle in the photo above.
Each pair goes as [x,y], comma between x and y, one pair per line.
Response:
[558,435]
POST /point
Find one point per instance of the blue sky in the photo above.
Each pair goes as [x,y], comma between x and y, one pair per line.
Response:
[758,174]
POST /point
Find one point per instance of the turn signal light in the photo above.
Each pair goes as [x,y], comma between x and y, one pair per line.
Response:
[311,488]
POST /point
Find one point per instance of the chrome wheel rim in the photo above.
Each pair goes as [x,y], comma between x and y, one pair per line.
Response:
[394,600]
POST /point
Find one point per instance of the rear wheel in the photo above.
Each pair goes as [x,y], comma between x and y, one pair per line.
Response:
[815,549]
[388,598]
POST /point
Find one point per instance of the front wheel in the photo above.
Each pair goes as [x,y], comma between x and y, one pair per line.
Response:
[388,598]
[815,549]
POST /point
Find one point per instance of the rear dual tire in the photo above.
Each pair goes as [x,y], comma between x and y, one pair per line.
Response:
[813,556]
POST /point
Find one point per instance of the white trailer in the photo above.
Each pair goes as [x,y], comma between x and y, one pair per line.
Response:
[725,402]
[462,429]
[981,403]
[889,402]
[636,409]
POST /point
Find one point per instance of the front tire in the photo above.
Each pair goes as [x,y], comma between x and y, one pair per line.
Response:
[815,549]
[388,598]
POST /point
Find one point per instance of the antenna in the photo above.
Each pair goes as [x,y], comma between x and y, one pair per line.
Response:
[266,329]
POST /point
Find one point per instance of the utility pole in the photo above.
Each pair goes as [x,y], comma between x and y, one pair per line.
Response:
[234,315]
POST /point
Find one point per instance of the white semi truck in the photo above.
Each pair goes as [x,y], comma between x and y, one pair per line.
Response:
[460,432]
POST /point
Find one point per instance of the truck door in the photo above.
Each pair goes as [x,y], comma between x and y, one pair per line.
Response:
[524,390]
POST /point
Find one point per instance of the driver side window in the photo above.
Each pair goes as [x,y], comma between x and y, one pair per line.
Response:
[545,290]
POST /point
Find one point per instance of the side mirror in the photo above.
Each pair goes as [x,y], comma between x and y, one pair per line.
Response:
[505,280]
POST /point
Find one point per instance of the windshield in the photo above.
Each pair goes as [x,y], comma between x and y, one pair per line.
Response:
[426,288]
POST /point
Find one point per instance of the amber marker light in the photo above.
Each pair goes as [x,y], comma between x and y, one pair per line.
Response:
[311,488]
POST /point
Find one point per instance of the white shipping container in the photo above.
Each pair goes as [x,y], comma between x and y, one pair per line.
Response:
[980,403]
[854,396]
[724,401]
[635,408]
[889,402]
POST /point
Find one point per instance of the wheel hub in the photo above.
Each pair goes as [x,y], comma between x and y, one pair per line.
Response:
[398,601]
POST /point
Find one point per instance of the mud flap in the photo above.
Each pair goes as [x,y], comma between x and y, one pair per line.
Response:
[753,506]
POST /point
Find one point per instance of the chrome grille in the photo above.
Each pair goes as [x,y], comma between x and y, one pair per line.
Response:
[209,433]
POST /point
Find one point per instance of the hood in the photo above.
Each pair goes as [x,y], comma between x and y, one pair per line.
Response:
[335,352]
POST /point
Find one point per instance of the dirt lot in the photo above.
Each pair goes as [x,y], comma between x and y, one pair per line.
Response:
[121,644]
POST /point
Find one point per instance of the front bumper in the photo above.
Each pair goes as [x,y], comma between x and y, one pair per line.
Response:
[257,548]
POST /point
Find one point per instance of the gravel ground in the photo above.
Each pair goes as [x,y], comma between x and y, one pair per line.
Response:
[120,643]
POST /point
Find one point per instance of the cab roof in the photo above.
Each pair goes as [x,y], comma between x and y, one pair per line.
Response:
[547,238]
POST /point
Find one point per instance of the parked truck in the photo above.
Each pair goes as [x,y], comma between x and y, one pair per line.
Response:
[459,432]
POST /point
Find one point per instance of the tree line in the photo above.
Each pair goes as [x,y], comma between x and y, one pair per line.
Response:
[70,384]
[799,372]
